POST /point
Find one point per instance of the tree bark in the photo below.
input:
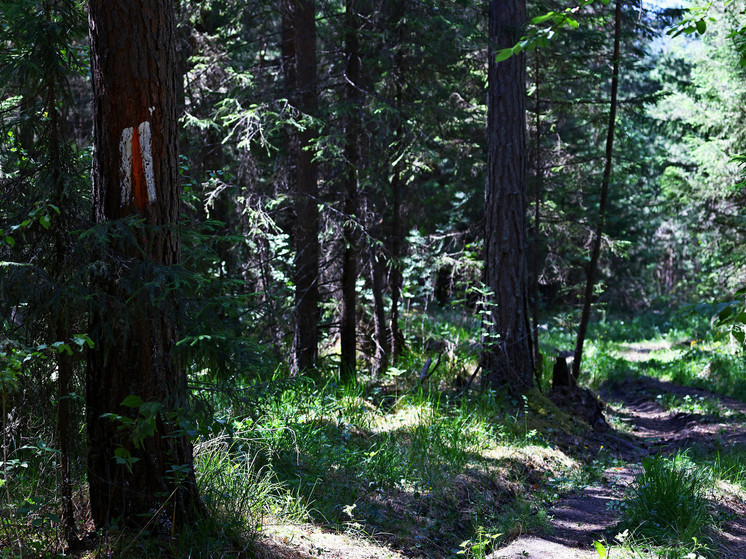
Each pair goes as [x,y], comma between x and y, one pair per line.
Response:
[596,246]
[380,335]
[508,359]
[299,59]
[135,173]
[536,260]
[353,97]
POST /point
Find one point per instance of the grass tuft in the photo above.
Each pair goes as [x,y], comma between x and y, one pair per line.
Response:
[668,505]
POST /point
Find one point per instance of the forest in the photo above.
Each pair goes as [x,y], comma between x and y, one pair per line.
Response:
[373,279]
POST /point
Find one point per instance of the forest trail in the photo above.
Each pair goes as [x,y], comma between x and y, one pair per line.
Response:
[643,427]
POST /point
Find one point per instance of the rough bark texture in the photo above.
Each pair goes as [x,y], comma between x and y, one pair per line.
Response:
[508,358]
[596,246]
[348,327]
[299,60]
[135,173]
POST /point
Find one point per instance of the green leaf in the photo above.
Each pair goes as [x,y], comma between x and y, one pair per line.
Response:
[132,401]
[83,340]
[701,27]
[10,241]
[45,221]
[541,19]
[150,409]
[504,54]
[124,457]
[601,550]
[725,313]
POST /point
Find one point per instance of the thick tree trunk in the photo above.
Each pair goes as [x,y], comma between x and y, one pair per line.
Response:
[133,473]
[299,58]
[348,327]
[508,357]
[596,246]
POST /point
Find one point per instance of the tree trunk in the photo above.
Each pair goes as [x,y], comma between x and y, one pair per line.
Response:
[299,57]
[380,335]
[395,276]
[348,327]
[536,260]
[508,359]
[596,247]
[132,472]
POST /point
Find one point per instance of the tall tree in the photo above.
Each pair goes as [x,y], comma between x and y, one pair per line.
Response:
[596,246]
[353,95]
[508,358]
[299,61]
[397,228]
[136,388]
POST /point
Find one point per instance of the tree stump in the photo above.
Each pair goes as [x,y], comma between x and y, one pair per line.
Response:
[561,375]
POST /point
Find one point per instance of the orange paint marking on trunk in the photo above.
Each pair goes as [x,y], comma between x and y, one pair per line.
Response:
[140,191]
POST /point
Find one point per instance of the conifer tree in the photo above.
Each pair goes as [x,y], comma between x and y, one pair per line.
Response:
[508,360]
[139,458]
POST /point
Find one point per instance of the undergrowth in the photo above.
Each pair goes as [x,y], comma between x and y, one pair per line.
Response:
[668,506]
[434,465]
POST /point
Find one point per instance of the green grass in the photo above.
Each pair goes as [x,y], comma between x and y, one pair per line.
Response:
[668,506]
[700,405]
[364,456]
[475,468]
[730,465]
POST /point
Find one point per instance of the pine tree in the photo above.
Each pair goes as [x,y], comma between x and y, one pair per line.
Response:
[138,458]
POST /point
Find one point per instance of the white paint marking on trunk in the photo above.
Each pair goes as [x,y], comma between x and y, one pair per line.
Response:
[125,169]
[147,159]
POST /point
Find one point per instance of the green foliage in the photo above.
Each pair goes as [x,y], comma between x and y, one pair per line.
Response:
[481,545]
[668,505]
[539,37]
[688,404]
[238,489]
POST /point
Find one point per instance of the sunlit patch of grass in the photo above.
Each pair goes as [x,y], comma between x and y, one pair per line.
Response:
[668,505]
[691,404]
[362,458]
[236,485]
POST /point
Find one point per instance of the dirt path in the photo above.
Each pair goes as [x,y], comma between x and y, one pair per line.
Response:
[581,518]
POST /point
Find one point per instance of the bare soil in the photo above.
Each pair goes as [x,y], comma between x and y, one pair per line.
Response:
[581,518]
